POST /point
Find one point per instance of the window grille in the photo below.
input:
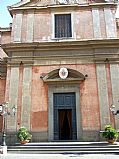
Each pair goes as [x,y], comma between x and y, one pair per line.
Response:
[63,26]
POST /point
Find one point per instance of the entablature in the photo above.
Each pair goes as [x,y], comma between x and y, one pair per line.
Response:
[85,51]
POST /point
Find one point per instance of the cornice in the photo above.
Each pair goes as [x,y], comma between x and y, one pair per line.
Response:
[62,45]
[83,51]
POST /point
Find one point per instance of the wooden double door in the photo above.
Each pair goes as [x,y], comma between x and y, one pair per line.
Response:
[64,116]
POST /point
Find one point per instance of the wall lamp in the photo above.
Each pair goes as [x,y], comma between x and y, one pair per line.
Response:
[113,110]
[4,112]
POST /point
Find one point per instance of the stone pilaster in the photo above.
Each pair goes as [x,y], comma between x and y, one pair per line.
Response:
[30,26]
[114,73]
[96,23]
[26,97]
[110,24]
[103,95]
[13,97]
[17,28]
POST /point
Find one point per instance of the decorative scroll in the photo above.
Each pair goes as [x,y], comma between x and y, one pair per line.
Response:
[70,1]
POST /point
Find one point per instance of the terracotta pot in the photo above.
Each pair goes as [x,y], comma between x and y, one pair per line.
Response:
[111,141]
[24,142]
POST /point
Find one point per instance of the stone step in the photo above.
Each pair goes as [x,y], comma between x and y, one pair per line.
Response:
[64,147]
[67,144]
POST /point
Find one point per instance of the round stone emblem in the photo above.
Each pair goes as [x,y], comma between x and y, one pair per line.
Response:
[63,73]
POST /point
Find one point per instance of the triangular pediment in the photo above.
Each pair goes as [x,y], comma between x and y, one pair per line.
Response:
[30,3]
[41,3]
[54,2]
[34,3]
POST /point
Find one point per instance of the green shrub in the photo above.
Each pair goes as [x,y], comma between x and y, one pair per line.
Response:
[23,134]
[110,133]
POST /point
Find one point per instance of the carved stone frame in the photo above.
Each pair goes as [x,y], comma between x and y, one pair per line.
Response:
[62,88]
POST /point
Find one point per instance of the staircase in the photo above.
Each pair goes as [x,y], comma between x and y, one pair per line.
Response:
[64,148]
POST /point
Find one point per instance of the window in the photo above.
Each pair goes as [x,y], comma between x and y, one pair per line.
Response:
[63,26]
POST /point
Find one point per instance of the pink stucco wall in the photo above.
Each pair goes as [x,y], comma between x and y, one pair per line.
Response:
[2,97]
[81,19]
[42,26]
[88,98]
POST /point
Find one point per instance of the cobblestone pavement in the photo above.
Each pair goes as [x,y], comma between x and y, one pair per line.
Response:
[59,156]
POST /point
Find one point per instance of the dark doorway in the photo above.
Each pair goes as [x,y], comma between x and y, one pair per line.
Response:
[64,116]
[65,124]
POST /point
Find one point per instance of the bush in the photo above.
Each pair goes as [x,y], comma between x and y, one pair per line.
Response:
[110,133]
[23,134]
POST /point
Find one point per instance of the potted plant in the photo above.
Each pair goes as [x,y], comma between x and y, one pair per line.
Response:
[110,134]
[23,135]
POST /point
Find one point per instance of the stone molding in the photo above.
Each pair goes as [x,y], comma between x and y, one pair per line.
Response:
[82,51]
[62,44]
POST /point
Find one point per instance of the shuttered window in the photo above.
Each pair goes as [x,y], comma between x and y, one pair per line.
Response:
[63,26]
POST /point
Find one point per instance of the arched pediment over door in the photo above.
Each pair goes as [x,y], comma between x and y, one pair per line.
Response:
[73,76]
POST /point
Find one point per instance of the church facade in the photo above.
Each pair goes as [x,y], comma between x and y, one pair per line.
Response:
[60,68]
